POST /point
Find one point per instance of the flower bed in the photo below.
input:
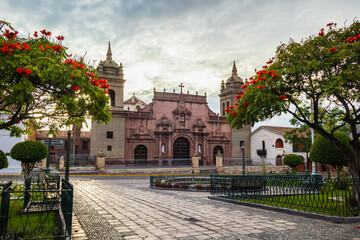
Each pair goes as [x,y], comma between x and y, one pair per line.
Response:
[181,183]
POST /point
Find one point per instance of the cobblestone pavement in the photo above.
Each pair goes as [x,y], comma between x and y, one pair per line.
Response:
[129,209]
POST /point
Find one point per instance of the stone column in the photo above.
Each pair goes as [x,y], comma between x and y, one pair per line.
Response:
[195,163]
[100,162]
[61,164]
[43,164]
[219,163]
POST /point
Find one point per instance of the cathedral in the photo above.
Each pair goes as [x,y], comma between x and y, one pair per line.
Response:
[170,129]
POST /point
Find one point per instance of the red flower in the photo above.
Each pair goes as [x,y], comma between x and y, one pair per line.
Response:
[75,88]
[60,38]
[48,33]
[106,91]
[26,46]
[10,35]
[43,31]
[47,46]
[35,34]
[42,48]
[10,117]
[258,87]
[27,72]
[68,61]
[72,76]
[20,70]
[56,48]
[19,122]
[93,74]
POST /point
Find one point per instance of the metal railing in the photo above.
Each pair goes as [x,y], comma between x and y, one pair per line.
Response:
[308,193]
[40,209]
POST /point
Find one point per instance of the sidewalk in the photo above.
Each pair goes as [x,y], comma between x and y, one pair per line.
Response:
[128,209]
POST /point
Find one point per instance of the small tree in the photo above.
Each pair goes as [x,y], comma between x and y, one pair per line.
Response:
[3,160]
[323,151]
[29,152]
[293,160]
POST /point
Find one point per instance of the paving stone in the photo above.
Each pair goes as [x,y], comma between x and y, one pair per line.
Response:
[129,209]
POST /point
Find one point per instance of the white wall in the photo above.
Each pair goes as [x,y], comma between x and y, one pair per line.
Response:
[6,143]
[269,137]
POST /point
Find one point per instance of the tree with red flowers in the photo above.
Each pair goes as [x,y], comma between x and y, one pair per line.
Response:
[321,72]
[40,80]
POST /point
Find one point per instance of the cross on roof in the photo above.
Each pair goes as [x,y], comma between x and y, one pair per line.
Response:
[181,86]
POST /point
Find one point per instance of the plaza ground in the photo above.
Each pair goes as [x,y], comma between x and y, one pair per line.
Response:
[121,207]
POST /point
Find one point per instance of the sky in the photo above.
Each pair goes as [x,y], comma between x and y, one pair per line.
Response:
[162,43]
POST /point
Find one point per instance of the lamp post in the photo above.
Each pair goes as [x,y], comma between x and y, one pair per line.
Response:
[47,170]
[68,128]
[242,145]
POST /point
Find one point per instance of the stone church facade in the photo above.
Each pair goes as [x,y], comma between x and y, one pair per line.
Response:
[172,128]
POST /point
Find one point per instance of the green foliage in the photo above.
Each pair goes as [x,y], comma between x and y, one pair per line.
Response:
[40,80]
[292,160]
[29,151]
[3,160]
[321,72]
[324,151]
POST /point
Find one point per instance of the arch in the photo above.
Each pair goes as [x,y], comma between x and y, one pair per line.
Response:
[279,143]
[278,160]
[181,151]
[112,97]
[163,148]
[216,150]
[140,155]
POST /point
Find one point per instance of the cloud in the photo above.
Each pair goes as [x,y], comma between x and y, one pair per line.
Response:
[162,43]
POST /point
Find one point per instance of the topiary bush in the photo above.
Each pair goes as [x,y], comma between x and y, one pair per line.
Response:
[29,152]
[293,160]
[323,151]
[3,160]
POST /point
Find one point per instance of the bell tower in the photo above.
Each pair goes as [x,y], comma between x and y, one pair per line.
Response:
[228,91]
[110,138]
[114,74]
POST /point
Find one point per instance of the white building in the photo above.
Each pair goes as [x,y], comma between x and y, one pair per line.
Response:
[6,143]
[269,141]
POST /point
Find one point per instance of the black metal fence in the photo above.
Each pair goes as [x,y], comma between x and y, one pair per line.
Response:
[39,209]
[308,193]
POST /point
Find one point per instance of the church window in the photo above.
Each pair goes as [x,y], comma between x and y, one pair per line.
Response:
[182,118]
[199,148]
[263,145]
[163,148]
[227,104]
[109,148]
[279,143]
[109,135]
[223,109]
[138,108]
[112,97]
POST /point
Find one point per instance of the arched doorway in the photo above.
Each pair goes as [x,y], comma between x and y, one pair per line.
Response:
[181,152]
[279,160]
[216,150]
[140,155]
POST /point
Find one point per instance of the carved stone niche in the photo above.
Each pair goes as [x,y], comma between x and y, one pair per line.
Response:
[199,125]
[163,124]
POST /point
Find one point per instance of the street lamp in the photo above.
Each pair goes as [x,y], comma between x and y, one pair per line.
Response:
[47,170]
[242,145]
[68,128]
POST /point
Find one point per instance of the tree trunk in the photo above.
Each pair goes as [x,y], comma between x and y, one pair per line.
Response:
[77,133]
[27,167]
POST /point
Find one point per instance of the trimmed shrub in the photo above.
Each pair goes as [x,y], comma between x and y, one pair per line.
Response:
[293,160]
[29,152]
[323,151]
[3,160]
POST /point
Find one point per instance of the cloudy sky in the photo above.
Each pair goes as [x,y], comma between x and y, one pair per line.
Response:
[162,43]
